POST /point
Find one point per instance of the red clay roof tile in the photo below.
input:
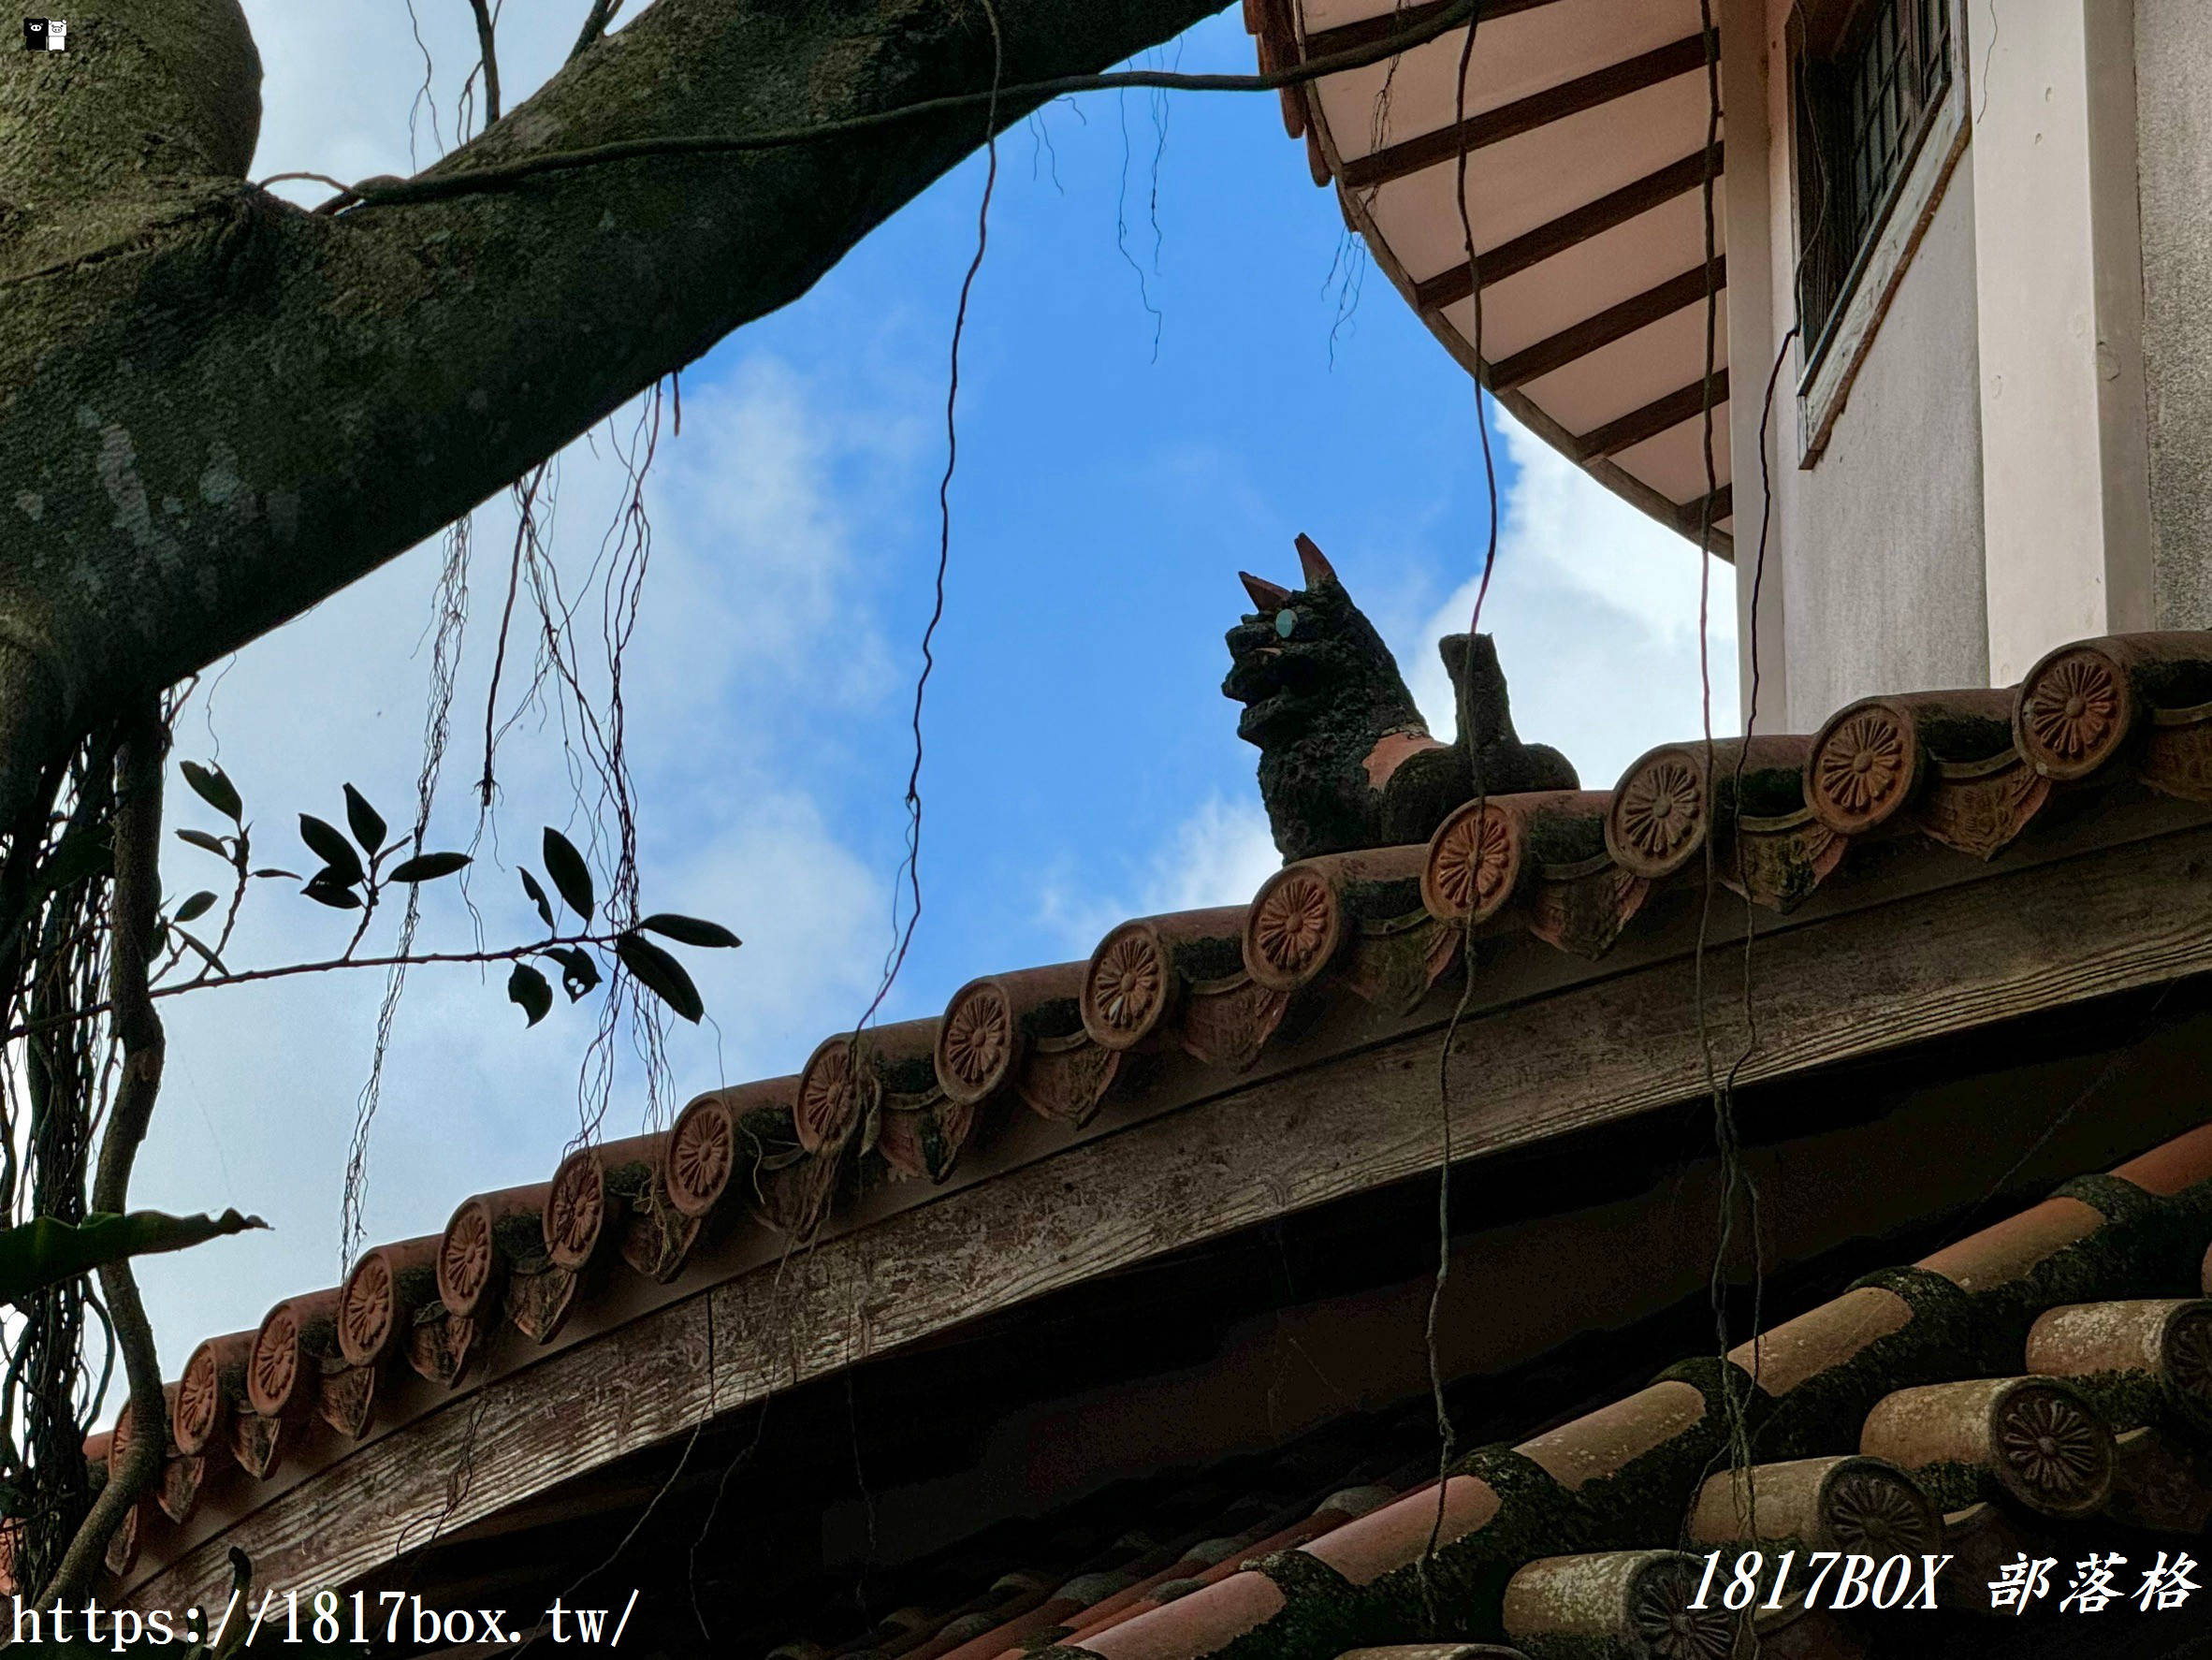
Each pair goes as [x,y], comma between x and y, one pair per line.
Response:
[1214,984]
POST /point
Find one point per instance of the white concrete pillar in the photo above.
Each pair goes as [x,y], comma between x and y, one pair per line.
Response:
[2060,313]
[1747,29]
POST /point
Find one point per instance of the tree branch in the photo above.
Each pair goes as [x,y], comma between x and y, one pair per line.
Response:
[137,908]
[487,46]
[478,181]
[512,954]
[224,409]
[595,22]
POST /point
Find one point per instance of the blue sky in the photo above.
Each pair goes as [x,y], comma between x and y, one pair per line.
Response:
[1082,764]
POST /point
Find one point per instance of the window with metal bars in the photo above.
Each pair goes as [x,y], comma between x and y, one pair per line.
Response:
[1862,106]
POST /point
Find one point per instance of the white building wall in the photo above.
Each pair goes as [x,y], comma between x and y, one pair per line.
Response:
[1875,578]
[2025,453]
[2060,314]
[2173,137]
[1885,591]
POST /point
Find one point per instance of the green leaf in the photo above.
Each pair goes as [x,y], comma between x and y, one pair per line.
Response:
[660,974]
[44,1252]
[578,972]
[198,905]
[82,853]
[323,840]
[214,962]
[428,866]
[272,870]
[569,873]
[212,785]
[537,894]
[690,930]
[529,989]
[200,838]
[332,895]
[364,821]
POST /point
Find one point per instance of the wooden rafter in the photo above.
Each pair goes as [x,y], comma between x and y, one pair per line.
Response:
[1653,419]
[1368,30]
[1692,516]
[1451,285]
[1616,322]
[1556,103]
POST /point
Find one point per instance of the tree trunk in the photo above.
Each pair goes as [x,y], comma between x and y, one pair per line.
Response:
[217,409]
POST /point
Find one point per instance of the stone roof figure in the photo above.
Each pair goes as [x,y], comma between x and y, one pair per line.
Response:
[1346,759]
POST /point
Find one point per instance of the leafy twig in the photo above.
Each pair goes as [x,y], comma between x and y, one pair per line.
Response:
[248,976]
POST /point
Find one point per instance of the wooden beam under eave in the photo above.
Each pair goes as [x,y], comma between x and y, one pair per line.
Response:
[1524,115]
[1366,31]
[1571,229]
[1616,322]
[1653,419]
[1693,516]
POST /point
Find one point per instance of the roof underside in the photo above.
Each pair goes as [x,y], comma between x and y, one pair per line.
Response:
[1582,131]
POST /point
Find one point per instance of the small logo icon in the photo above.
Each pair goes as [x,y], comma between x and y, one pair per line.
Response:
[46,34]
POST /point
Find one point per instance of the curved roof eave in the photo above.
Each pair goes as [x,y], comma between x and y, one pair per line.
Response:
[1583,126]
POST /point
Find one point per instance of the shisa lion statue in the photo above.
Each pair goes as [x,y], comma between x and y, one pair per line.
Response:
[1346,760]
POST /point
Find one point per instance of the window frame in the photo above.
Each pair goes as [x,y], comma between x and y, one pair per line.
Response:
[1828,363]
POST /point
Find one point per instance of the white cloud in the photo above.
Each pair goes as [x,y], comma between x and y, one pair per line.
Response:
[1218,854]
[755,614]
[1593,605]
[342,80]
[1594,609]
[757,639]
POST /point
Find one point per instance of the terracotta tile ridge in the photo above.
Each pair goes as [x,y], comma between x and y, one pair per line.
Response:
[1562,1482]
[2090,703]
[1839,1502]
[839,1108]
[1207,1619]
[724,1148]
[1010,1596]
[1676,795]
[1871,759]
[1483,860]
[489,1234]
[211,1388]
[2140,1363]
[1607,1600]
[281,1369]
[1969,1306]
[920,1636]
[2035,1442]
[990,1026]
[379,1296]
[1307,913]
[1139,977]
[1026,1622]
[1345,1505]
[906,1625]
[2171,1166]
[1192,1560]
[1046,1613]
[2093,713]
[594,1187]
[1223,1551]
